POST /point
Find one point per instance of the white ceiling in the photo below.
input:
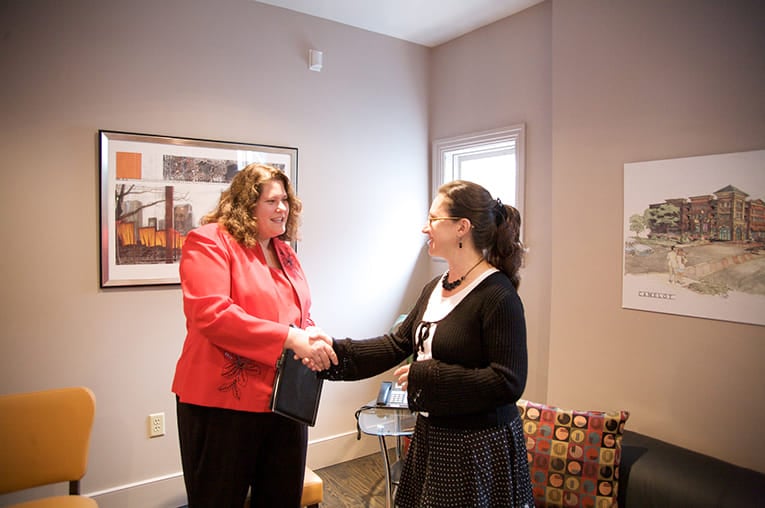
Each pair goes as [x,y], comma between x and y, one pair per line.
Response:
[425,22]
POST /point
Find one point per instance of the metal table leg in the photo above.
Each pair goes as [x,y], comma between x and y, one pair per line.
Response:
[388,480]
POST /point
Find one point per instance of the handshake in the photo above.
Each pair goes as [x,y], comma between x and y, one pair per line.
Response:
[312,346]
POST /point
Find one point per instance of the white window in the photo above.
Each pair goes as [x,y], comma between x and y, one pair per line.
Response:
[493,159]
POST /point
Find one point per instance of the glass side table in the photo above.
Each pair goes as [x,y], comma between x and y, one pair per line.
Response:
[382,421]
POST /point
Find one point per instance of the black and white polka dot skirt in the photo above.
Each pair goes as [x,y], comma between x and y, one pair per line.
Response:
[459,468]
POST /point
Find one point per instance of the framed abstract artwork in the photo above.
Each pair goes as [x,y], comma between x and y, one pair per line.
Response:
[155,189]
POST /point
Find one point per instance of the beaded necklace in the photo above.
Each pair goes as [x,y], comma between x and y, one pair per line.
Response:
[453,285]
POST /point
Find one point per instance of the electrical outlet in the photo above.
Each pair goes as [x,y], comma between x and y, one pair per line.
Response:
[156,424]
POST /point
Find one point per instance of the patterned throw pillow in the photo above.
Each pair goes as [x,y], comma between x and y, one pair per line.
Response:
[573,455]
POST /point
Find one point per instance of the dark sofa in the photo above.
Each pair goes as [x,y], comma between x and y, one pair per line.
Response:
[654,473]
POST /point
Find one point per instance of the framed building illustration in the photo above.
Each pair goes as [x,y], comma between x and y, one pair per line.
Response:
[155,189]
[694,236]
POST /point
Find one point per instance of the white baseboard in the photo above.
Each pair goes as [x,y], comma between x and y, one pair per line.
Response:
[169,492]
[164,492]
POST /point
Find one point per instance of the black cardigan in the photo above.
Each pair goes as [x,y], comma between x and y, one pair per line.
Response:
[479,360]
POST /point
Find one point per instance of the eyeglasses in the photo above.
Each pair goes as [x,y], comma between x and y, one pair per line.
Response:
[432,219]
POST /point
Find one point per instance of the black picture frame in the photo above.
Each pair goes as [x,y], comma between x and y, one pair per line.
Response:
[153,191]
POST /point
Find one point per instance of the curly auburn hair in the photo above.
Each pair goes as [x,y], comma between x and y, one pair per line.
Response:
[234,209]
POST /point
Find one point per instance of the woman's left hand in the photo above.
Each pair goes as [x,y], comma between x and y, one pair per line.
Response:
[402,373]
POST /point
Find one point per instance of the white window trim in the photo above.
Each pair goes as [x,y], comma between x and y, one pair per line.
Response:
[518,132]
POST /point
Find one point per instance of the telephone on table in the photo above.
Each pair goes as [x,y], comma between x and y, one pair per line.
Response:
[392,395]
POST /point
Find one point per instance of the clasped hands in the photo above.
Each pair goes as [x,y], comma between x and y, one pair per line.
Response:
[313,347]
[317,354]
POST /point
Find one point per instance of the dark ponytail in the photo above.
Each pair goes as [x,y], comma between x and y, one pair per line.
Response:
[496,226]
[507,252]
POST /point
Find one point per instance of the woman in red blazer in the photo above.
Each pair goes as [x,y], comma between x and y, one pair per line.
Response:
[246,299]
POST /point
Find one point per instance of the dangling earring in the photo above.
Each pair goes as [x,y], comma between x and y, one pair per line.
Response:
[460,244]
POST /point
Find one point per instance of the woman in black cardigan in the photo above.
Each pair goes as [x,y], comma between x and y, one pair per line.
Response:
[467,335]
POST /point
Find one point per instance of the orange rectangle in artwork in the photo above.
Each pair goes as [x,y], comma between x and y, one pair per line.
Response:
[128,165]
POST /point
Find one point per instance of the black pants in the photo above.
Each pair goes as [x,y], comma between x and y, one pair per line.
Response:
[225,452]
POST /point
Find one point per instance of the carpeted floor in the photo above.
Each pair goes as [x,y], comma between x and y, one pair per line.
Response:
[358,483]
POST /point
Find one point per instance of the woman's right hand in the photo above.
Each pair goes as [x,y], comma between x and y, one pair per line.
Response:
[314,349]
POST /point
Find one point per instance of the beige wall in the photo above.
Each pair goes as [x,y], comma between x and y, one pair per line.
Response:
[498,76]
[229,70]
[637,81]
[597,84]
[600,84]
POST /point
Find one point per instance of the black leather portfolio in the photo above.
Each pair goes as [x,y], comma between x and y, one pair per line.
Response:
[297,390]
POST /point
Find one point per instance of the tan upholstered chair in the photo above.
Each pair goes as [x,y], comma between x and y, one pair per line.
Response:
[44,439]
[313,490]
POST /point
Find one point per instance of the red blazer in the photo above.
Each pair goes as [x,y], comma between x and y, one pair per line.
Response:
[235,329]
